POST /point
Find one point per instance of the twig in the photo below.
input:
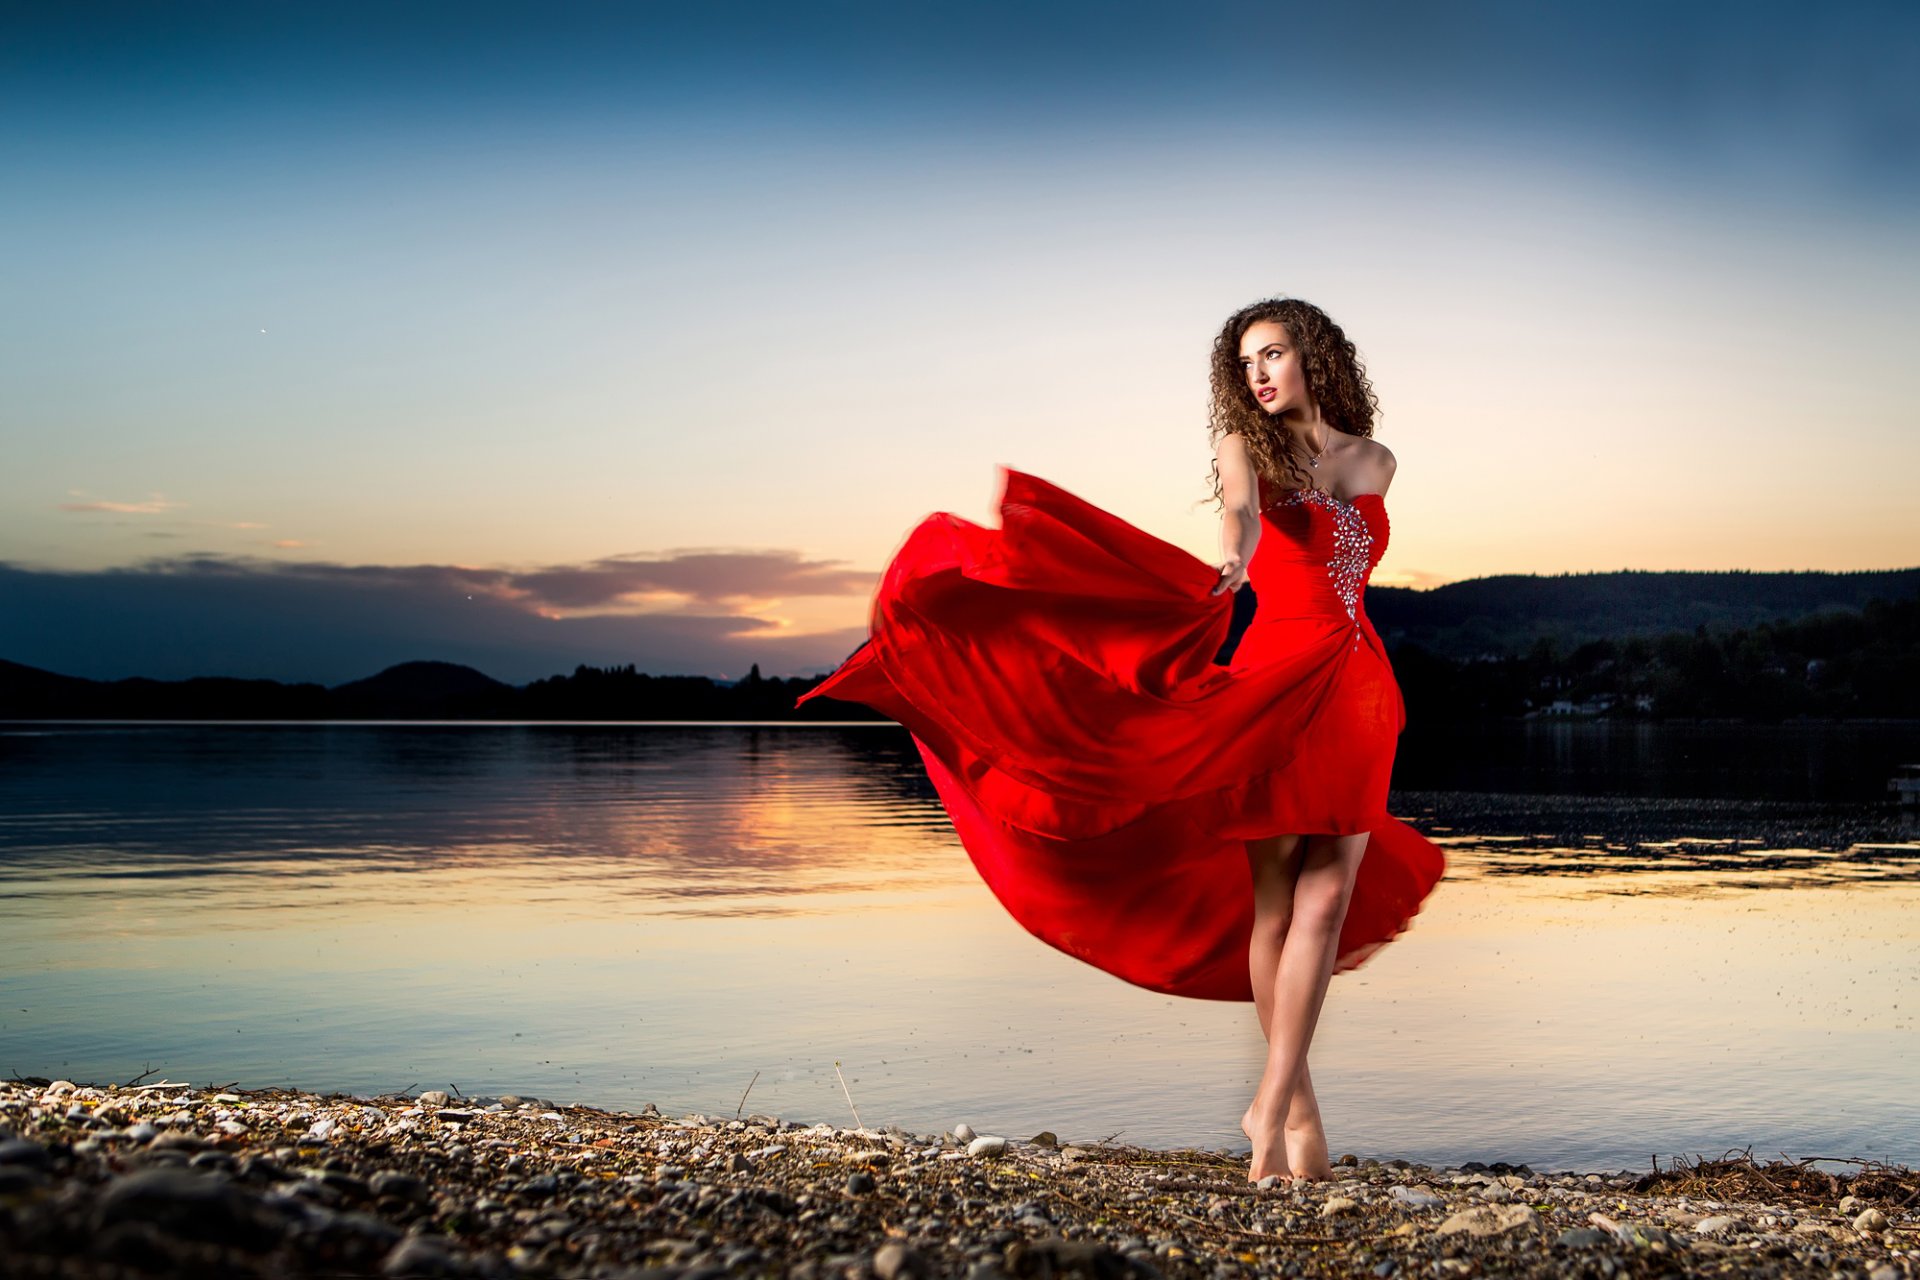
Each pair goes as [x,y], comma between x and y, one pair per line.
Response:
[456,1091]
[137,1079]
[843,1088]
[743,1095]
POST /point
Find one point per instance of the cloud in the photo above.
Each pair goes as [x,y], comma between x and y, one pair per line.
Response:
[686,612]
[711,577]
[1418,579]
[156,504]
[288,543]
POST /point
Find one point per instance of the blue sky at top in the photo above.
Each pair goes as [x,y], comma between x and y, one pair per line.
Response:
[371,306]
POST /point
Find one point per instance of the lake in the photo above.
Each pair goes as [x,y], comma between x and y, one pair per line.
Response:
[1653,940]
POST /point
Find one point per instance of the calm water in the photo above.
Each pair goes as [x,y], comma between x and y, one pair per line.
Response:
[1652,940]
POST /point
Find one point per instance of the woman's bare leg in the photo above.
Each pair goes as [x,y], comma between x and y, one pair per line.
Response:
[1275,862]
[1321,892]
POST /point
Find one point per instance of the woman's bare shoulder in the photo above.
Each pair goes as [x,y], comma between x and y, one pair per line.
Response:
[1233,443]
[1373,468]
[1239,486]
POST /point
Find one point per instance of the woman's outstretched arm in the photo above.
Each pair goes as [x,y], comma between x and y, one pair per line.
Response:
[1240,521]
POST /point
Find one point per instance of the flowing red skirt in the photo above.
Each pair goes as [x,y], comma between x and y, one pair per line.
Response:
[1101,770]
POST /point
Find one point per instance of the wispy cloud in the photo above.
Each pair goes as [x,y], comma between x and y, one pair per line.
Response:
[615,585]
[156,504]
[1418,579]
[712,577]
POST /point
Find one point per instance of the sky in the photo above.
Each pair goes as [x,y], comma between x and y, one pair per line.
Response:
[530,336]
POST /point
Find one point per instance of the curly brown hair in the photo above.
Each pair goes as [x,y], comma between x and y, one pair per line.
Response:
[1336,382]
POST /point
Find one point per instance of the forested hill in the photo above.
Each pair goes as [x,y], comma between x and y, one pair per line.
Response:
[1508,613]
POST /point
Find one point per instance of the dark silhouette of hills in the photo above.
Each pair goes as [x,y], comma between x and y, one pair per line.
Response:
[431,689]
[1508,613]
[415,691]
[1749,645]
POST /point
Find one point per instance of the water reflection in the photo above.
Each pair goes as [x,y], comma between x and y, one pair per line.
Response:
[623,914]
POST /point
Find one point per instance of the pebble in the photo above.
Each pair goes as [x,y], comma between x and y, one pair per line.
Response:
[1491,1220]
[25,1154]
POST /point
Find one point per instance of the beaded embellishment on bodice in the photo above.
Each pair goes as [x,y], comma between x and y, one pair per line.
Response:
[1352,541]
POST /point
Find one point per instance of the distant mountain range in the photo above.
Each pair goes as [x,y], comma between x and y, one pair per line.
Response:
[1508,613]
[1685,643]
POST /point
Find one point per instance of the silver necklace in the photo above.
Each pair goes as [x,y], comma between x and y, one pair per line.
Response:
[1314,461]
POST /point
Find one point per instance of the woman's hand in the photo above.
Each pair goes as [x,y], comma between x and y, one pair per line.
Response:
[1233,576]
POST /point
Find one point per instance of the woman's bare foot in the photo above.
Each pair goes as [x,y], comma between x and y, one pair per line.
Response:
[1269,1146]
[1306,1147]
[1307,1151]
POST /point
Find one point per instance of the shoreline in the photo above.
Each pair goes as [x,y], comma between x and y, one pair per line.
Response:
[171,1179]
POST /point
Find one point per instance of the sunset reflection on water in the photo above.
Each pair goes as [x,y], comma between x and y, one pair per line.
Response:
[622,915]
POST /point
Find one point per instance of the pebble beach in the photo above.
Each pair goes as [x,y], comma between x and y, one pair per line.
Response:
[167,1179]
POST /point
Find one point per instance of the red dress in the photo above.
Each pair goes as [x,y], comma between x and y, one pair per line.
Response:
[1101,770]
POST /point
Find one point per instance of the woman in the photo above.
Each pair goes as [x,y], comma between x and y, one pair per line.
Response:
[1208,830]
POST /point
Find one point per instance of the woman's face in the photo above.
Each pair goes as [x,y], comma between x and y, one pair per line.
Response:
[1273,368]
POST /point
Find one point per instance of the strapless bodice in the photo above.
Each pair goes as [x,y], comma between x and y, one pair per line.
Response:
[1316,552]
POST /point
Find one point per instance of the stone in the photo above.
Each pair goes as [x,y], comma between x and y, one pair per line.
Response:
[1057,1256]
[1491,1220]
[987,1145]
[19,1179]
[895,1260]
[422,1256]
[21,1152]
[392,1182]
[206,1207]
